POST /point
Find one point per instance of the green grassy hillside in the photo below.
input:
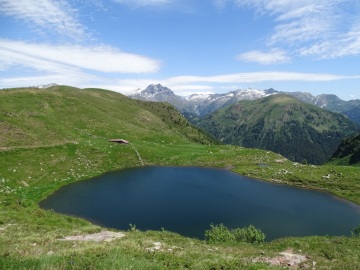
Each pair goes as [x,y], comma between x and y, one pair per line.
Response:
[52,137]
[283,124]
[59,115]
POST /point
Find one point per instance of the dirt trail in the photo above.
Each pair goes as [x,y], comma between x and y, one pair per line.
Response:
[136,151]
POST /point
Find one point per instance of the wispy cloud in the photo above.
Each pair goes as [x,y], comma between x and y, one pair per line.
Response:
[97,58]
[323,28]
[248,77]
[72,65]
[345,45]
[47,15]
[275,56]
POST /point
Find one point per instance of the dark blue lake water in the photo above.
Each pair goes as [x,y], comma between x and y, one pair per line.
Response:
[187,200]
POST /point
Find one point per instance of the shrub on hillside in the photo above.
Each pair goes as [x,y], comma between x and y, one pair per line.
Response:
[356,231]
[220,233]
[249,235]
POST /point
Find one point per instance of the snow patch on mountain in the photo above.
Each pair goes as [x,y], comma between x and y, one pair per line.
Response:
[136,91]
[198,104]
[198,97]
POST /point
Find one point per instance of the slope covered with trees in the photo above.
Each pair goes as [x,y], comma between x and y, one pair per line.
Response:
[348,152]
[280,123]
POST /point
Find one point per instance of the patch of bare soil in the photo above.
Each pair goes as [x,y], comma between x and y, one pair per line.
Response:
[103,236]
[288,259]
[158,246]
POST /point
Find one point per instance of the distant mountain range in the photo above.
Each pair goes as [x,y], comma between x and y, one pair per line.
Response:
[198,105]
[297,125]
[299,131]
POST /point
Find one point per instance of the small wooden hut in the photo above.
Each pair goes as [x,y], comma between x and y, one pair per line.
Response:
[120,141]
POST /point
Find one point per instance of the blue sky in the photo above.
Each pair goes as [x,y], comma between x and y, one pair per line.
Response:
[190,46]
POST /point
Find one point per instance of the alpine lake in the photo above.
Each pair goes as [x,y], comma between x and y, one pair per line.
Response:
[186,200]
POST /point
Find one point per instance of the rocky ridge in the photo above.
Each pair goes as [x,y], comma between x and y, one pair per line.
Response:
[198,105]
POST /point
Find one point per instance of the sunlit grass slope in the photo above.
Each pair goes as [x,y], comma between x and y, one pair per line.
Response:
[52,137]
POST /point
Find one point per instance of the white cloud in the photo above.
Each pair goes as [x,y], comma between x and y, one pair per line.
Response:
[70,65]
[189,89]
[54,16]
[61,57]
[275,56]
[251,77]
[64,78]
[323,28]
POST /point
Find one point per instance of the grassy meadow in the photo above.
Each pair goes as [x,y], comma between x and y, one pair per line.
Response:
[56,136]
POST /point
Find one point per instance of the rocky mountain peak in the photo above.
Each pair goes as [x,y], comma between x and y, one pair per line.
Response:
[156,88]
[271,91]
